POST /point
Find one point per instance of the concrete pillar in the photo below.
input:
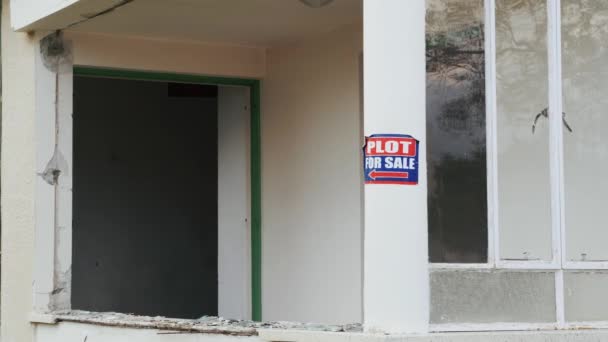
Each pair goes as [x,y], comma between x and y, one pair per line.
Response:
[396,280]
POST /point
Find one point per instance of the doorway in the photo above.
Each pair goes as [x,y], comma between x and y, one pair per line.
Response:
[164,198]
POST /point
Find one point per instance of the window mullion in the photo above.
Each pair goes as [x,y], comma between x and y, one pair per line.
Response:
[491,131]
[556,148]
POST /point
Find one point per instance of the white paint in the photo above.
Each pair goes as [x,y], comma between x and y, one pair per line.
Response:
[40,15]
[556,151]
[491,130]
[527,264]
[311,174]
[505,265]
[167,55]
[555,131]
[560,307]
[585,265]
[234,261]
[18,179]
[396,280]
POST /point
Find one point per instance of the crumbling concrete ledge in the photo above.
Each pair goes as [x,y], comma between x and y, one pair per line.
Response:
[203,325]
[117,327]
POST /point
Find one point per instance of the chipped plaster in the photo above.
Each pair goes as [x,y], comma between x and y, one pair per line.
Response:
[53,99]
[205,324]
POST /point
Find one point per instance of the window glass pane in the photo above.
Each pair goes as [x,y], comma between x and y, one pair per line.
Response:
[456,131]
[585,100]
[523,149]
[585,296]
[492,296]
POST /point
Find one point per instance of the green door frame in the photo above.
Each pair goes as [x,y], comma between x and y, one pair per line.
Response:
[256,189]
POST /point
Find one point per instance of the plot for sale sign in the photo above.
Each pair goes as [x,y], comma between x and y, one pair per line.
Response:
[391,159]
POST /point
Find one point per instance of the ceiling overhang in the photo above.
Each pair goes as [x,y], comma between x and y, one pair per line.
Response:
[262,23]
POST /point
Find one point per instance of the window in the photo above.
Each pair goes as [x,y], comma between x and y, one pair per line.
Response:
[456,131]
[516,193]
[584,74]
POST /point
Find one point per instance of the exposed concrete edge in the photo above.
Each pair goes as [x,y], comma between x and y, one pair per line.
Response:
[203,325]
[274,333]
[42,318]
[216,326]
[277,335]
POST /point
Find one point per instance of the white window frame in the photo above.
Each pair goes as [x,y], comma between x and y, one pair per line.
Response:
[558,264]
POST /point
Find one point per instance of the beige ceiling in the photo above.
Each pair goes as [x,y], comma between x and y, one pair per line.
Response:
[243,22]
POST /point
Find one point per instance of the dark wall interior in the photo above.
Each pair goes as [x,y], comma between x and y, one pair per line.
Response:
[145,198]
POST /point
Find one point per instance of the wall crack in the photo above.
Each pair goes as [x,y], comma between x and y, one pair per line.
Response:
[90,16]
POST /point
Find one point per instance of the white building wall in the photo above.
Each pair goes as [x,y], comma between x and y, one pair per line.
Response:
[311,97]
[18,180]
[311,181]
[19,135]
[134,53]
[311,175]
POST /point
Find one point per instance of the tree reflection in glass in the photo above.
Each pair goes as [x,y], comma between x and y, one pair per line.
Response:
[456,131]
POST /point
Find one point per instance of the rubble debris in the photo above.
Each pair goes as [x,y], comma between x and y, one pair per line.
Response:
[203,325]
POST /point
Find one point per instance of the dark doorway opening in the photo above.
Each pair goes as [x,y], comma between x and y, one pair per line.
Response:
[145,197]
